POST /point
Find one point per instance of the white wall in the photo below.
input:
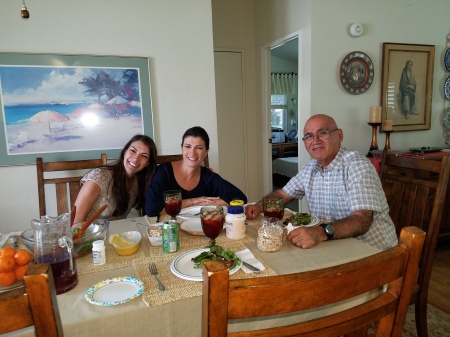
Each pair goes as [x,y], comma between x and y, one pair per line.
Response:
[400,21]
[177,37]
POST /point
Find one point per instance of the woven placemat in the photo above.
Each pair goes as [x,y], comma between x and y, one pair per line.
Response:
[177,288]
[113,261]
[190,242]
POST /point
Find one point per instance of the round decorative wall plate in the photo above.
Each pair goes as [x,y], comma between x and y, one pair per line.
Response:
[356,73]
[447,59]
[447,88]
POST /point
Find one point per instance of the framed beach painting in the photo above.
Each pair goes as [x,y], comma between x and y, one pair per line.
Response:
[71,107]
[407,85]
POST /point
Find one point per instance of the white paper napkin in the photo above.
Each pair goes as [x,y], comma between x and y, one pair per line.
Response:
[247,256]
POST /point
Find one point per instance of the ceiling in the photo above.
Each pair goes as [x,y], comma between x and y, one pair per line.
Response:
[287,51]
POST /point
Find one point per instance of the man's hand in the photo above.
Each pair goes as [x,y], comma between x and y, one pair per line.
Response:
[252,211]
[307,237]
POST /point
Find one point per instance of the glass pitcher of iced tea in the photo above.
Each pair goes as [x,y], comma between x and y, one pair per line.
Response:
[53,245]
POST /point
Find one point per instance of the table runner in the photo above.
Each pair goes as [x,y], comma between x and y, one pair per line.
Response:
[113,260]
[177,288]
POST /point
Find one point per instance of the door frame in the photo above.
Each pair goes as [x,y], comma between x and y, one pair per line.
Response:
[265,111]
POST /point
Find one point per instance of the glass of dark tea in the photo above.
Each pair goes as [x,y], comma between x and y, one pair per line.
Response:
[212,219]
[172,203]
[273,207]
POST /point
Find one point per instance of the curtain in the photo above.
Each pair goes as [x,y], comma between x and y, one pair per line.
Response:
[284,84]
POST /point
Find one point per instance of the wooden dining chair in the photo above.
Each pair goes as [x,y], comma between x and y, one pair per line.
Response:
[161,159]
[33,304]
[68,186]
[415,191]
[225,299]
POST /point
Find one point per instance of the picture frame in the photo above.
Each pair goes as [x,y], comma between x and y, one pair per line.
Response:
[407,86]
[71,107]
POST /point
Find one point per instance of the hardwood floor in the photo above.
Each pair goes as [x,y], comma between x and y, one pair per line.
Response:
[439,290]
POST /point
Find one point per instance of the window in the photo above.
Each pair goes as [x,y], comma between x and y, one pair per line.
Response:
[278,111]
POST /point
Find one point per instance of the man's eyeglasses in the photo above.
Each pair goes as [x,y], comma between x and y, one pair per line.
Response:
[322,135]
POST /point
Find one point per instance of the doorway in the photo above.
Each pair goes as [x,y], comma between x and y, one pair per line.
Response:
[284,148]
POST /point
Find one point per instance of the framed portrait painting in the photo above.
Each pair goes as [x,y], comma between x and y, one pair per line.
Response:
[407,85]
[71,107]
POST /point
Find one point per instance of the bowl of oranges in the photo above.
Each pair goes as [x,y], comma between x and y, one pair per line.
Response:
[13,265]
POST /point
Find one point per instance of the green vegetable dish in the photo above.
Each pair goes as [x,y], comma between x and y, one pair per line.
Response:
[217,253]
[299,219]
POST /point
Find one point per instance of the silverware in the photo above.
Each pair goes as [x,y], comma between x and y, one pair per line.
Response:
[16,245]
[137,222]
[154,272]
[252,268]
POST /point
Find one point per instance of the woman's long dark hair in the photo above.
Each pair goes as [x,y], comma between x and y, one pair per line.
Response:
[144,177]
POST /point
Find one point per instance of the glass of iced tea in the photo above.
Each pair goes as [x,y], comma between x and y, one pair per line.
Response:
[172,202]
[273,207]
[212,218]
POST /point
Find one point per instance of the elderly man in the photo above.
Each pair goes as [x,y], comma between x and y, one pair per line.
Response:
[342,189]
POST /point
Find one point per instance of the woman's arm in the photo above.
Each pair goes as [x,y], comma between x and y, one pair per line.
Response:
[86,198]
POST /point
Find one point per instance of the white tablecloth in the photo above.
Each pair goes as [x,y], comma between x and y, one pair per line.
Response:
[183,317]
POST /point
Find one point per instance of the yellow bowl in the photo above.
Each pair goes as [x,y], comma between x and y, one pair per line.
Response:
[126,243]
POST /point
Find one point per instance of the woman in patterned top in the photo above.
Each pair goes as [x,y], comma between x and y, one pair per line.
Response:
[121,185]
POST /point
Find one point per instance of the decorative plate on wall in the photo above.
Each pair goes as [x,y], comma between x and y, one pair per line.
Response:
[447,59]
[447,88]
[356,73]
[447,118]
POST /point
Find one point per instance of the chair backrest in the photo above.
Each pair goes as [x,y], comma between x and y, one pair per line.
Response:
[415,191]
[67,187]
[33,304]
[161,159]
[225,299]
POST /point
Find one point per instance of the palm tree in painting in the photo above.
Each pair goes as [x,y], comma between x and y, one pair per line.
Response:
[95,86]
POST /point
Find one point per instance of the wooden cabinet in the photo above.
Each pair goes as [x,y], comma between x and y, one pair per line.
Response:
[281,150]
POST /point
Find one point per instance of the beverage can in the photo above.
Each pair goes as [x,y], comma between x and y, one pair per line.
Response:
[171,239]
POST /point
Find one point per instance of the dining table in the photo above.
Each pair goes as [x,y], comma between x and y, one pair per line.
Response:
[176,311]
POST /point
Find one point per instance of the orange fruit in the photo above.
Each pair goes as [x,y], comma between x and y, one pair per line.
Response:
[22,257]
[20,272]
[7,251]
[7,278]
[7,263]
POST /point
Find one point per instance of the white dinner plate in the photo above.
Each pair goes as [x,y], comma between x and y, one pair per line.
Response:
[114,291]
[193,211]
[192,226]
[314,221]
[183,266]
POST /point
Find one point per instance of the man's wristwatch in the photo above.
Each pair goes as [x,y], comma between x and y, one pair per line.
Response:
[329,230]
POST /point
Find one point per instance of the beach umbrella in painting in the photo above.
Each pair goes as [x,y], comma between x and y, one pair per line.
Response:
[116,104]
[117,100]
[48,116]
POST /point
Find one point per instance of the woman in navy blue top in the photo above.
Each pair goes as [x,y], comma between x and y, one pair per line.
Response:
[199,186]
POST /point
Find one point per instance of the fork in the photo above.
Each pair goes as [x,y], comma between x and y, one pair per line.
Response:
[154,272]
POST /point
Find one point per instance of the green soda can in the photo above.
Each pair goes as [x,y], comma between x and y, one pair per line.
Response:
[171,238]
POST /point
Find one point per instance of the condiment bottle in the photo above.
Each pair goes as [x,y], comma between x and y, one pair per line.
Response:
[235,220]
[98,252]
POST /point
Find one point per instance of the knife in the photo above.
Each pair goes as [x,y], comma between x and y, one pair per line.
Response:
[252,268]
